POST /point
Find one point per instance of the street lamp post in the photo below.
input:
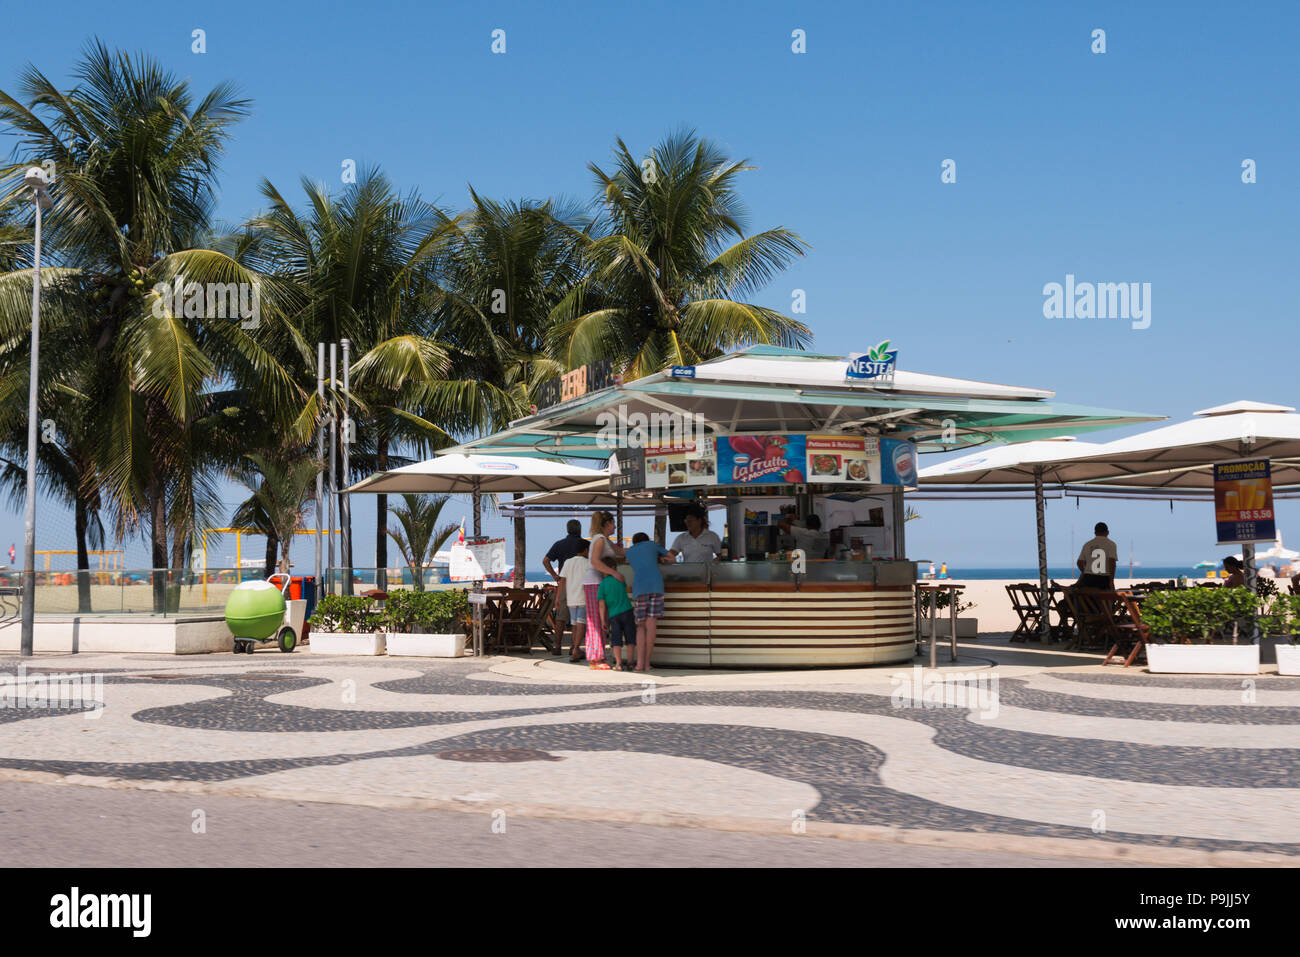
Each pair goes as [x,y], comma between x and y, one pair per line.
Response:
[38,182]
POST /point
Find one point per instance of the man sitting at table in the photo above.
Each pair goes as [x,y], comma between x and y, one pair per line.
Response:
[1097,560]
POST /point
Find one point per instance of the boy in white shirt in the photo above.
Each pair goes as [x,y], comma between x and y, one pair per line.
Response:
[569,590]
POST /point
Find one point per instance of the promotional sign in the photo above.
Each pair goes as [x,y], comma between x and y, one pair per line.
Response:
[478,559]
[682,464]
[1243,502]
[878,364]
[682,372]
[762,460]
[578,382]
[843,458]
[898,462]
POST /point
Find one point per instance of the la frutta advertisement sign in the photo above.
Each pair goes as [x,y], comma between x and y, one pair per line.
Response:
[795,459]
[1243,502]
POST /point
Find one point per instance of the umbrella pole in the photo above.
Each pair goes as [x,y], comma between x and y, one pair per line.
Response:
[1044,625]
[478,511]
[619,508]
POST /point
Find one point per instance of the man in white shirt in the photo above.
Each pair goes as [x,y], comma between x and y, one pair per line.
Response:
[697,543]
[1097,560]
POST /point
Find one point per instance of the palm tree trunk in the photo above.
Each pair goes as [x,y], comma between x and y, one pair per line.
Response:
[284,555]
[520,549]
[158,535]
[83,557]
[272,547]
[478,514]
[381,520]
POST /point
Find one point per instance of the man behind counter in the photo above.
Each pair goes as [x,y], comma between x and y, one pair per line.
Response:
[808,536]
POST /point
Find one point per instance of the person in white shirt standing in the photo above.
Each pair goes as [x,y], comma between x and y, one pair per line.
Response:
[569,587]
[1097,560]
[697,543]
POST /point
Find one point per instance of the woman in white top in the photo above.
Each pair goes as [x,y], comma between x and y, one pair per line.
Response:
[602,554]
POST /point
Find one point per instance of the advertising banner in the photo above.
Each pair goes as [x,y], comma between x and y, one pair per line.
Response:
[843,458]
[898,462]
[762,460]
[1243,502]
[681,465]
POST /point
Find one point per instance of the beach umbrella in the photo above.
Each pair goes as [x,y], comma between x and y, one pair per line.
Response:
[1279,552]
[1012,465]
[1206,565]
[480,473]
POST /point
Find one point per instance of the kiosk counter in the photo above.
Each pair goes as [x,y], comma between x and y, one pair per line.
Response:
[760,615]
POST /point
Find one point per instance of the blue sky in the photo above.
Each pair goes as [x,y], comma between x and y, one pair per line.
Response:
[1115,167]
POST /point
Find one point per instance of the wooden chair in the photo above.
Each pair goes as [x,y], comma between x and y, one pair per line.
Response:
[1024,602]
[1130,634]
[518,618]
[1094,615]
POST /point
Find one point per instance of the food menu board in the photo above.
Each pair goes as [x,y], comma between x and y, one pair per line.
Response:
[1243,502]
[682,464]
[843,458]
[781,459]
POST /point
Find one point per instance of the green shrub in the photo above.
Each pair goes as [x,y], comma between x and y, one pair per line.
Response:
[344,613]
[1200,614]
[425,612]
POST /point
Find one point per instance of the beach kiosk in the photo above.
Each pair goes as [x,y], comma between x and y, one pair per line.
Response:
[770,433]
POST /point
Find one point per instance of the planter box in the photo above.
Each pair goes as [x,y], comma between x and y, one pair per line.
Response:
[1288,659]
[1203,659]
[343,643]
[426,646]
[966,627]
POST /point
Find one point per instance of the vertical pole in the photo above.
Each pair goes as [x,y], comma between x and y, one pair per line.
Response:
[478,510]
[1044,626]
[1248,556]
[900,513]
[29,549]
[320,471]
[477,613]
[345,507]
[334,488]
[619,509]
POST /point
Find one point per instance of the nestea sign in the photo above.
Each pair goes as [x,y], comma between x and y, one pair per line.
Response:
[879,364]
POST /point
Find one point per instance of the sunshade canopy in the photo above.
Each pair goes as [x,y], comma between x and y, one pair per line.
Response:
[769,389]
[1011,464]
[1183,455]
[481,473]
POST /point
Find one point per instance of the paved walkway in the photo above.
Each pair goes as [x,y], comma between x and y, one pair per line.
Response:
[1016,750]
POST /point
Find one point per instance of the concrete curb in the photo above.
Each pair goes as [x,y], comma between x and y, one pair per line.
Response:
[1101,851]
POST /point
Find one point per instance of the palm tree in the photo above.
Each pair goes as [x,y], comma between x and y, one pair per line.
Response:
[420,537]
[668,261]
[135,155]
[282,490]
[361,266]
[510,265]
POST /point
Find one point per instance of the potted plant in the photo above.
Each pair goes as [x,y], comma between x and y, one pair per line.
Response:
[426,624]
[1285,614]
[966,627]
[346,625]
[1202,631]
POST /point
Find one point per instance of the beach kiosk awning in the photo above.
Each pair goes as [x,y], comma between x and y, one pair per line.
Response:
[770,389]
[484,474]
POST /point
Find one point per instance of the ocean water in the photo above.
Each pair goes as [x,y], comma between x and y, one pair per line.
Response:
[1065,573]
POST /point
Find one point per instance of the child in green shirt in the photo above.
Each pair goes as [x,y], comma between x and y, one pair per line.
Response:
[619,622]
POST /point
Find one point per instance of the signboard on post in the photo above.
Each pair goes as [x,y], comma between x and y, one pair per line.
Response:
[629,471]
[1243,502]
[478,559]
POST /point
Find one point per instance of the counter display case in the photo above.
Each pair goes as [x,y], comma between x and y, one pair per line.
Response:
[762,615]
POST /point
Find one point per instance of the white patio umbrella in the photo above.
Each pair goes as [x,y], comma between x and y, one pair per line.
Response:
[1013,465]
[1279,552]
[478,475]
